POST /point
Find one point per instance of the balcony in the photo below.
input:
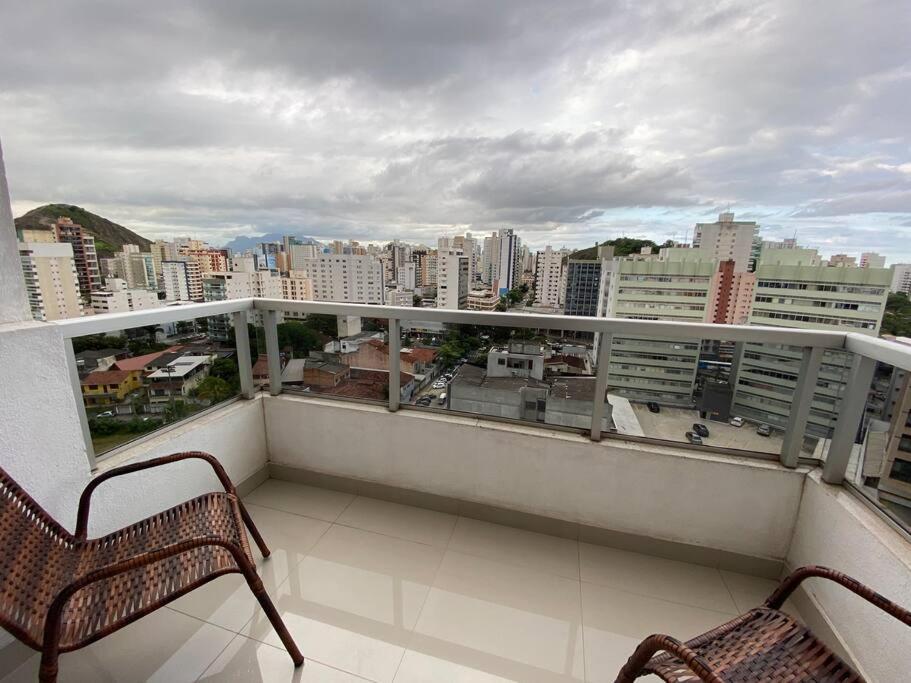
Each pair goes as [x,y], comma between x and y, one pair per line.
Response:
[414,544]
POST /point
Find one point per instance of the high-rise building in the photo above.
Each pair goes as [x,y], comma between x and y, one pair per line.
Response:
[509,270]
[549,267]
[731,295]
[490,259]
[84,255]
[116,297]
[452,279]
[209,260]
[346,277]
[51,280]
[299,252]
[425,261]
[588,284]
[794,290]
[844,260]
[901,278]
[469,246]
[161,250]
[406,276]
[674,286]
[727,240]
[182,280]
[870,259]
[136,267]
[296,286]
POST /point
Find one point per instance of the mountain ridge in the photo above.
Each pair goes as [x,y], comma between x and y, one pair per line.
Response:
[109,236]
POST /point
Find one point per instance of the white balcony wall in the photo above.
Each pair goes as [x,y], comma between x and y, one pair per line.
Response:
[718,502]
[835,529]
[234,434]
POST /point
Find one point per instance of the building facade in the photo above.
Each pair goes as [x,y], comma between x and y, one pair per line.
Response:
[727,240]
[452,279]
[51,281]
[85,257]
[351,278]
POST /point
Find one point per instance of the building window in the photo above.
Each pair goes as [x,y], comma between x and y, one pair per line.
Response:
[901,470]
[904,444]
[501,361]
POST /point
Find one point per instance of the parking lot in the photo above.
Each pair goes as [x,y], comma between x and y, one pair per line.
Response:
[673,423]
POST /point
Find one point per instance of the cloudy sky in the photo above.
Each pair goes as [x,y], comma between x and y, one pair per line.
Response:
[572,121]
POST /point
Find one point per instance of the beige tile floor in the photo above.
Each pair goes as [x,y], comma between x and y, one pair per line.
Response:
[377,591]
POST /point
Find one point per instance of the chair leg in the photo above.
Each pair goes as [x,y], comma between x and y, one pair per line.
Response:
[48,671]
[259,590]
[254,532]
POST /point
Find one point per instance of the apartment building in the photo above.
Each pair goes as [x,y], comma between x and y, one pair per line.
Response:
[901,278]
[85,257]
[452,279]
[549,277]
[400,297]
[296,287]
[870,259]
[842,260]
[727,240]
[469,246]
[209,260]
[482,300]
[116,297]
[350,278]
[731,295]
[790,293]
[510,268]
[588,284]
[675,286]
[182,280]
[136,267]
[299,252]
[51,280]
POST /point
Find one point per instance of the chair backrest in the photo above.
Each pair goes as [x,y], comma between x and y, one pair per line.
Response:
[32,561]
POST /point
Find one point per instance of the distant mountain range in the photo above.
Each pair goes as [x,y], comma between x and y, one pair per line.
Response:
[242,242]
[109,236]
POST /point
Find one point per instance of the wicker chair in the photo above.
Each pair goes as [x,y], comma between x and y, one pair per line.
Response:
[61,591]
[765,644]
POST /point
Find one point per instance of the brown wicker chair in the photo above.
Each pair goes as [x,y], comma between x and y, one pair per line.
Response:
[61,591]
[765,644]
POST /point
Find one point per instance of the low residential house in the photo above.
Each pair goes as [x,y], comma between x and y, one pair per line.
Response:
[563,364]
[374,355]
[364,383]
[109,387]
[176,380]
[98,359]
[146,363]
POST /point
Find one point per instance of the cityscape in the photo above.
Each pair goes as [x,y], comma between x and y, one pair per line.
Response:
[727,274]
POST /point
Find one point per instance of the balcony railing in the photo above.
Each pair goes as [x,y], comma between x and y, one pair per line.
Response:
[811,352]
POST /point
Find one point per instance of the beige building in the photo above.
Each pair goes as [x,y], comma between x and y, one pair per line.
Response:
[50,280]
[116,297]
[727,239]
[452,279]
[296,286]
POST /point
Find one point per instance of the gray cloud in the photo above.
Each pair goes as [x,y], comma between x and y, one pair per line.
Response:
[571,121]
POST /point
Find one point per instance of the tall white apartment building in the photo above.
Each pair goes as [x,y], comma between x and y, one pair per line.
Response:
[400,297]
[406,276]
[901,278]
[469,246]
[182,280]
[727,240]
[870,259]
[452,279]
[137,268]
[350,278]
[490,259]
[299,252]
[509,270]
[296,286]
[116,297]
[51,280]
[549,281]
[162,250]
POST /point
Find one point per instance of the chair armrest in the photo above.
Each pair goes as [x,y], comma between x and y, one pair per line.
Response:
[655,642]
[778,597]
[82,517]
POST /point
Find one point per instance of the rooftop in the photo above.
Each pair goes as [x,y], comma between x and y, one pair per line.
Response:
[180,367]
[106,377]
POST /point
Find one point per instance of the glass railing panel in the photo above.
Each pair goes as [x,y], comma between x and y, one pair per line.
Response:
[135,381]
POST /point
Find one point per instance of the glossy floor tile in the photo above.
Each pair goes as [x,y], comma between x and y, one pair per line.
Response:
[379,591]
[402,521]
[300,499]
[550,554]
[689,584]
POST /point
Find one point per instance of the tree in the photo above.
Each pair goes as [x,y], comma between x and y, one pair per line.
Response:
[897,318]
[96,342]
[326,325]
[214,390]
[177,411]
[416,301]
[226,369]
[300,337]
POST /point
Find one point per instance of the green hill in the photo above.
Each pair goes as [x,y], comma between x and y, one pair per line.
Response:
[623,246]
[109,236]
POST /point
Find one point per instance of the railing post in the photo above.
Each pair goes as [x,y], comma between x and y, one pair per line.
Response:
[395,358]
[270,322]
[242,347]
[80,403]
[800,406]
[851,411]
[604,344]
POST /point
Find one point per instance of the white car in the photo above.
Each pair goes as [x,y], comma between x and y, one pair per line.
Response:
[736,421]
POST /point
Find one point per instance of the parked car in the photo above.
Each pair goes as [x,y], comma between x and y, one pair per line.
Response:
[736,421]
[653,407]
[701,430]
[694,439]
[425,401]
[106,413]
[764,430]
[442,399]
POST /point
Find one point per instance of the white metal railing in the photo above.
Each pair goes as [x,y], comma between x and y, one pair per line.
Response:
[867,351]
